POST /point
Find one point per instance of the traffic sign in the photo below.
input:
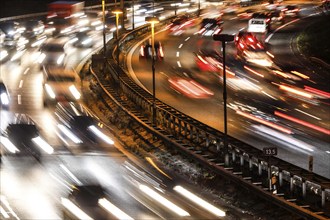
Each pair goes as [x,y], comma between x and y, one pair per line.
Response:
[270,151]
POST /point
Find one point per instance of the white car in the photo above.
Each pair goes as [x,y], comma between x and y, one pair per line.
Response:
[54,52]
[60,84]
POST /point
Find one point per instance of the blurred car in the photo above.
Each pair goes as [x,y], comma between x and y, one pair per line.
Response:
[53,52]
[83,39]
[60,84]
[146,50]
[13,31]
[251,50]
[89,202]
[291,11]
[180,24]
[189,88]
[208,61]
[78,125]
[246,36]
[276,16]
[210,26]
[33,28]
[22,138]
[4,96]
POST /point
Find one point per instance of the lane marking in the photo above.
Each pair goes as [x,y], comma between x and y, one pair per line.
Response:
[27,70]
[20,84]
[19,100]
[187,39]
[179,64]
[180,46]
[177,54]
[307,114]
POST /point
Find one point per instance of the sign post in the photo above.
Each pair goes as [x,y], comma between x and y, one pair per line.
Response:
[270,151]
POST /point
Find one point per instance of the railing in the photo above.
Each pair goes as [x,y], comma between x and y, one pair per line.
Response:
[298,190]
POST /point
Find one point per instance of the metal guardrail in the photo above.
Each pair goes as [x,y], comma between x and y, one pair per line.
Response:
[298,190]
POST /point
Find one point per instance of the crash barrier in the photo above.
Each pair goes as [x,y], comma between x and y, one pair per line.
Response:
[278,181]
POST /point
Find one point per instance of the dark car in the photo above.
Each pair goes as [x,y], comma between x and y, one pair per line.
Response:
[210,26]
[146,50]
[22,138]
[4,96]
[276,16]
[83,39]
[13,31]
[33,28]
[88,202]
[79,126]
[291,10]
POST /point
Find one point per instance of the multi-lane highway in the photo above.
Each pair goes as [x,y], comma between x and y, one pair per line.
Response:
[254,92]
[34,190]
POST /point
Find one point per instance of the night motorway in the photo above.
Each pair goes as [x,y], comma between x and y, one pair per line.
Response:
[60,160]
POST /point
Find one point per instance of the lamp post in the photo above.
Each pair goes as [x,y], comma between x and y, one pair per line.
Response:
[117,12]
[133,3]
[224,38]
[152,21]
[103,17]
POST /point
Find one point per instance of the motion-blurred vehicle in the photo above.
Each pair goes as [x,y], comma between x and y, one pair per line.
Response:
[291,11]
[83,39]
[88,202]
[276,16]
[22,138]
[189,88]
[60,84]
[53,52]
[13,31]
[4,96]
[251,50]
[33,28]
[259,22]
[208,61]
[180,23]
[146,50]
[210,26]
[77,125]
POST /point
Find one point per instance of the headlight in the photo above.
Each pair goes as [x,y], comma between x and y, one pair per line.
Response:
[41,58]
[75,92]
[3,54]
[4,99]
[50,91]
[60,59]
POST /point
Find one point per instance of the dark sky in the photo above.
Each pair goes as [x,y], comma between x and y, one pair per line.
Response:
[10,8]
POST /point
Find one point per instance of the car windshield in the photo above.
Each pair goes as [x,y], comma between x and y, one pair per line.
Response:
[2,88]
[22,130]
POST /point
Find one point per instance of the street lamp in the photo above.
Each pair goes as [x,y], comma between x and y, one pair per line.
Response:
[103,17]
[117,12]
[152,21]
[224,38]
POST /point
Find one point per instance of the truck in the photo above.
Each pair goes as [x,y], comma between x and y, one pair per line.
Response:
[65,9]
[63,15]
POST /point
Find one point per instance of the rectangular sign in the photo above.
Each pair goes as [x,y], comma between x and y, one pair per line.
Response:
[270,151]
[257,25]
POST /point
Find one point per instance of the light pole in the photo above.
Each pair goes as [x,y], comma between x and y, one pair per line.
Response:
[152,21]
[117,12]
[103,17]
[224,38]
[133,3]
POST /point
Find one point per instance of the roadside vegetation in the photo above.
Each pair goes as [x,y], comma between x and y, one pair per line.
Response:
[314,40]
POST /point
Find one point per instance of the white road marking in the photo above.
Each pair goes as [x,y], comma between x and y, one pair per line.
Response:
[20,84]
[19,100]
[179,64]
